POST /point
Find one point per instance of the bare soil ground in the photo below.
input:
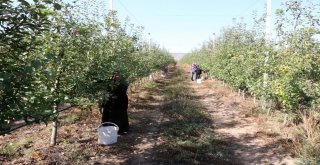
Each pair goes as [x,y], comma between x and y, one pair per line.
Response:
[254,139]
[248,138]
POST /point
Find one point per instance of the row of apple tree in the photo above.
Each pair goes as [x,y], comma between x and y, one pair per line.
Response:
[52,53]
[240,56]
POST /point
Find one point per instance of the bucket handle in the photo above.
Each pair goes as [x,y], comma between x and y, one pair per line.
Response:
[108,123]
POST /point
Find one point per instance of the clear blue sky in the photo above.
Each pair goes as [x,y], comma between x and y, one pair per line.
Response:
[183,25]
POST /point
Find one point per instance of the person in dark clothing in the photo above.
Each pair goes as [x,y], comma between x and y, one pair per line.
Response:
[193,69]
[198,72]
[115,106]
[165,70]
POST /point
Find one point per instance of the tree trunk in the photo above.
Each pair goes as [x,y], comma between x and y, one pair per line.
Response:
[54,127]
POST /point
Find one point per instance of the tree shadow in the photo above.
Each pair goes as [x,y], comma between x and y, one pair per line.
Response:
[194,144]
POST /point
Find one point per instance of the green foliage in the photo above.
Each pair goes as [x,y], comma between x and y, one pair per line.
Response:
[51,56]
[239,57]
[21,24]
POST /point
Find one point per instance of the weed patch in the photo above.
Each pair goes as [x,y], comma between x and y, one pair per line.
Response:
[189,133]
[13,150]
[71,119]
[307,139]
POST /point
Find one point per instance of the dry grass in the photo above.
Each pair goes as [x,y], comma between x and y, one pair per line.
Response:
[189,134]
[307,137]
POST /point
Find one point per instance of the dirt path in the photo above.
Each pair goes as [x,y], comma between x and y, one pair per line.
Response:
[246,139]
[140,145]
[77,139]
[253,140]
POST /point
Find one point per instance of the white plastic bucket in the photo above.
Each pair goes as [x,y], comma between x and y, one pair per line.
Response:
[199,81]
[107,133]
